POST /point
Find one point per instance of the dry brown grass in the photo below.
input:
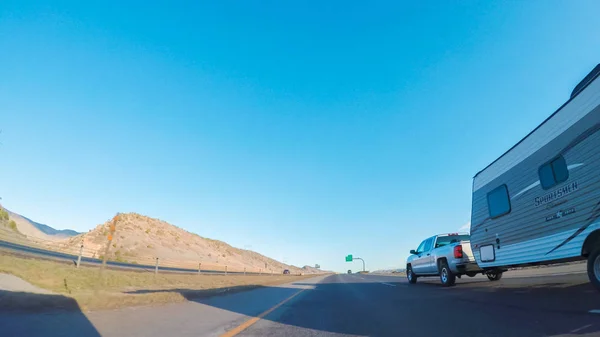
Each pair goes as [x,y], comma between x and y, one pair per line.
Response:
[117,288]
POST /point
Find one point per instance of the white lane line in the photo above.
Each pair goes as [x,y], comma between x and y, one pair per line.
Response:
[582,328]
[595,311]
[388,284]
[544,275]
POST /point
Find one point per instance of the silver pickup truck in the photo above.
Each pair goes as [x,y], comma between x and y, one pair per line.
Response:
[447,256]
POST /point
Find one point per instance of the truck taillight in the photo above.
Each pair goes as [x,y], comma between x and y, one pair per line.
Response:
[458,252]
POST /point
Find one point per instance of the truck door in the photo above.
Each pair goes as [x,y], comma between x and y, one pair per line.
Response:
[417,262]
[429,266]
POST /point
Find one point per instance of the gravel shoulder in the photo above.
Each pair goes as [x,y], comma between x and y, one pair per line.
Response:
[10,282]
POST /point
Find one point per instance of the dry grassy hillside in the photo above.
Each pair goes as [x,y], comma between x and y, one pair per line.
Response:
[140,238]
[8,227]
[26,228]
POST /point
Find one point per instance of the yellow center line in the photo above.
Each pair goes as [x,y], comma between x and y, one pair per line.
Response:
[253,320]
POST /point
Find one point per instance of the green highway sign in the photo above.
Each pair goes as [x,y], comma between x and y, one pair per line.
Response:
[349,258]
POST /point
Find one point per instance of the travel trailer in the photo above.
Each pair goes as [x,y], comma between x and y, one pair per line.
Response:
[539,203]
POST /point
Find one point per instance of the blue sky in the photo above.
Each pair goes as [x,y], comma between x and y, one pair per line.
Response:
[304,131]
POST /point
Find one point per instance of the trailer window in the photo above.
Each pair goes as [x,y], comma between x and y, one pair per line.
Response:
[498,201]
[553,172]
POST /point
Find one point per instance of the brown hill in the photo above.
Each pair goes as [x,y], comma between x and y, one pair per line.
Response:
[140,239]
[9,229]
[26,228]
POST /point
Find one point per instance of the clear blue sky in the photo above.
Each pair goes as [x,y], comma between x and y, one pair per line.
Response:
[305,131]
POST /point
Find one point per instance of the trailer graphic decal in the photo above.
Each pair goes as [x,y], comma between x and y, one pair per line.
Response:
[556,194]
[560,214]
[590,220]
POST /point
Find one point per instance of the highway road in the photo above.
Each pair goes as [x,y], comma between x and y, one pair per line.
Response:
[348,305]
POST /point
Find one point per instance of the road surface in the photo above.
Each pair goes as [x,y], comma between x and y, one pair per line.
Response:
[348,305]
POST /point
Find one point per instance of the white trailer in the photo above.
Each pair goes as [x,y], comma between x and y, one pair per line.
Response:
[539,203]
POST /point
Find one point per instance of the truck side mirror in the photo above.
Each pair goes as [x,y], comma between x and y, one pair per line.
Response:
[412,251]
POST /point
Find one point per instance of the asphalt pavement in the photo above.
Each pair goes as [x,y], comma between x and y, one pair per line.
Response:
[349,305]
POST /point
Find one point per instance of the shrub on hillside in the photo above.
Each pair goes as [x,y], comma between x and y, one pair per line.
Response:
[13,225]
[3,214]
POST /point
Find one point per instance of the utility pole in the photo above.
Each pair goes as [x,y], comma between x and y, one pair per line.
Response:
[363,261]
[112,228]
[350,258]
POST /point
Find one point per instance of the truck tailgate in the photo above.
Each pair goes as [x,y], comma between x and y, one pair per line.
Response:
[467,251]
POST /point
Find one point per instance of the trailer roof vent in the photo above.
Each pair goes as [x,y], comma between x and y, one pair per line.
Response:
[586,80]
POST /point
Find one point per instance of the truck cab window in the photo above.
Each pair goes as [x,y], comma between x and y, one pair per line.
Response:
[421,248]
[428,244]
[449,239]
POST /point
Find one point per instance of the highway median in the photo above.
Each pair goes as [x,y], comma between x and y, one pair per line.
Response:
[93,289]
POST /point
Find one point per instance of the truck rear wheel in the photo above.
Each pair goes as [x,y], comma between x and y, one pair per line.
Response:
[494,275]
[593,268]
[447,277]
[410,275]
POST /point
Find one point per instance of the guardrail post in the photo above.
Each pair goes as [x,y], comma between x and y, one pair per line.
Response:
[259,271]
[244,271]
[80,253]
[225,270]
[199,268]
[156,267]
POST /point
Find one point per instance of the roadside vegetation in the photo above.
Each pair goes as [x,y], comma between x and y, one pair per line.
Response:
[7,223]
[3,215]
[118,288]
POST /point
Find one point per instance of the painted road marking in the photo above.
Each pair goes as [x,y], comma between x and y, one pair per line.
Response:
[253,320]
[595,311]
[582,328]
[388,284]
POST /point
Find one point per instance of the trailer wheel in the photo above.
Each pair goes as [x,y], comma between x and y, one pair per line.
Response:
[446,275]
[494,275]
[410,275]
[593,268]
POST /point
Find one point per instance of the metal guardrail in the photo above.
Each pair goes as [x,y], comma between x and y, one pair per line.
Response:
[52,250]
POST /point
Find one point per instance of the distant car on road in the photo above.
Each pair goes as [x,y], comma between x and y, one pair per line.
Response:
[447,256]
[286,271]
[349,271]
